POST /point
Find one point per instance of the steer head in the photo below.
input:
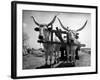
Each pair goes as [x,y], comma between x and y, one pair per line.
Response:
[43,29]
[72,35]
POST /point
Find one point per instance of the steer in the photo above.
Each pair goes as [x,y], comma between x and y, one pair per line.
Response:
[72,41]
[44,35]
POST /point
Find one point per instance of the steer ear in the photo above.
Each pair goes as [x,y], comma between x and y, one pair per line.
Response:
[36,29]
[50,28]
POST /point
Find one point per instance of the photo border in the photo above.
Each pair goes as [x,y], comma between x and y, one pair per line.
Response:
[14,38]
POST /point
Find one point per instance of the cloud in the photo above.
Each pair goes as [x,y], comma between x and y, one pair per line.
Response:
[24,25]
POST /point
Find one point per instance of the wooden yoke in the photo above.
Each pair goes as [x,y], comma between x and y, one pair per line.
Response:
[59,35]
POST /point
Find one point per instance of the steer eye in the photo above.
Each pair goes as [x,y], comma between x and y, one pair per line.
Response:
[76,36]
[36,29]
[77,33]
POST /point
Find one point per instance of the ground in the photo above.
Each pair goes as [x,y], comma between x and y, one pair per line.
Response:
[32,61]
[84,59]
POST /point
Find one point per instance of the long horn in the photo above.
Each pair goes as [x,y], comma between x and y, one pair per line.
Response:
[82,26]
[52,21]
[62,24]
[35,21]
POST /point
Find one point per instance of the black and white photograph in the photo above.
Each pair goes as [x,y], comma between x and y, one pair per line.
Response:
[65,39]
[54,39]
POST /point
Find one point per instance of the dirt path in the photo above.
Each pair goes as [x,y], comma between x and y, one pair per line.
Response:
[85,59]
[31,61]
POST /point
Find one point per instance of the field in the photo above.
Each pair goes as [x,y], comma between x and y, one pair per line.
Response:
[37,59]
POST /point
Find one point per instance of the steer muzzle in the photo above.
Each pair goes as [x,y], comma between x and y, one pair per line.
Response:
[40,37]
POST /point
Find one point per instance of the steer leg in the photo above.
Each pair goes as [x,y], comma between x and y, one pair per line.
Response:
[51,54]
[73,56]
[66,55]
[46,58]
[68,52]
[55,57]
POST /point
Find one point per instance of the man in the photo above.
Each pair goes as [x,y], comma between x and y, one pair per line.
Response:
[62,49]
[76,52]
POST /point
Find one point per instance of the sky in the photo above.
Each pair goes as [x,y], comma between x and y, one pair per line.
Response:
[73,20]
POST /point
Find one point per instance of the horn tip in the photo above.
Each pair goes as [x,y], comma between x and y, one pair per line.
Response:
[32,17]
[86,21]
